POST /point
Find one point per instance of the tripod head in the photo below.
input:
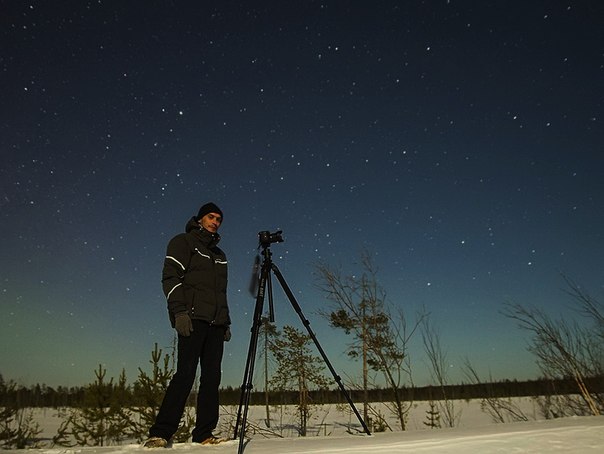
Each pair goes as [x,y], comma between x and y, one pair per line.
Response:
[266,238]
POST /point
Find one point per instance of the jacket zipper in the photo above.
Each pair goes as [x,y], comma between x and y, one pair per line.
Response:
[213,260]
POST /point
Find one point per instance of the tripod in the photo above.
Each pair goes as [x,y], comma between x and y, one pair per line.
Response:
[265,280]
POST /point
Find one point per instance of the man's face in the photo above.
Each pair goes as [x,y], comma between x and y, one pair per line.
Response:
[211,222]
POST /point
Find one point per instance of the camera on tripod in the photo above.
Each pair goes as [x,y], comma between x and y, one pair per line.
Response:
[265,237]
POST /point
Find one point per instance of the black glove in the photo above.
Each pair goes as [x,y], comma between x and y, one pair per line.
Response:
[227,334]
[183,324]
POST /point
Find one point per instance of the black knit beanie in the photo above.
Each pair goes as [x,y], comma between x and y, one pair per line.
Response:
[209,208]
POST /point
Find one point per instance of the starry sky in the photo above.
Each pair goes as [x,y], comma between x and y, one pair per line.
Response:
[460,143]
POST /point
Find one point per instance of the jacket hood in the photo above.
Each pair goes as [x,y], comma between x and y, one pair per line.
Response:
[192,224]
[209,238]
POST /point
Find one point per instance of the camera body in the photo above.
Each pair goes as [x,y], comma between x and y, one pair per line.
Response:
[265,237]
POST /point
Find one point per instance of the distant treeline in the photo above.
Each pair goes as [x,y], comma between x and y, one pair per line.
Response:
[45,396]
[501,389]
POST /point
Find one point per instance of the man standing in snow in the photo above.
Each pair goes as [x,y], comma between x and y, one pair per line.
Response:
[194,281]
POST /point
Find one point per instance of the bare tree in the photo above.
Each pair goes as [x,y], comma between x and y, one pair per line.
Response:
[380,337]
[588,306]
[268,331]
[566,349]
[500,409]
[437,357]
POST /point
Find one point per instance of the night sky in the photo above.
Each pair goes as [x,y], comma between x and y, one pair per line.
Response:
[459,142]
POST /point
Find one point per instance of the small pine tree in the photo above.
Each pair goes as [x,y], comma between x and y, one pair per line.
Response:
[297,368]
[121,425]
[150,389]
[17,427]
[102,420]
[432,416]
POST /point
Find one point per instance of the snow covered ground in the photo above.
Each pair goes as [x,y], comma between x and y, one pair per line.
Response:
[475,433]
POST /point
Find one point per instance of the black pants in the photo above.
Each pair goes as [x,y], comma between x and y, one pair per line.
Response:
[204,347]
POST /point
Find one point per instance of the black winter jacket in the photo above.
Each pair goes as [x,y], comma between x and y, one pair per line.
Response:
[194,277]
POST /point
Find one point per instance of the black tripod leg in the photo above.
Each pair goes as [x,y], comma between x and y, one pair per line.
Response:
[306,323]
[246,387]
